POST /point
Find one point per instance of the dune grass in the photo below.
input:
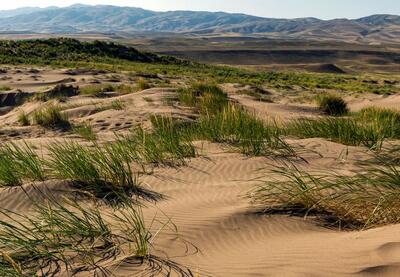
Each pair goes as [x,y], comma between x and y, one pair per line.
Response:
[85,131]
[370,127]
[165,145]
[72,236]
[51,117]
[332,104]
[362,201]
[142,84]
[18,164]
[23,119]
[99,89]
[237,127]
[103,170]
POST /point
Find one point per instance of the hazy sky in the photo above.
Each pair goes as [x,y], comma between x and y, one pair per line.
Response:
[268,8]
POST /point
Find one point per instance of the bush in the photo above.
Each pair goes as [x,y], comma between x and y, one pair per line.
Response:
[332,105]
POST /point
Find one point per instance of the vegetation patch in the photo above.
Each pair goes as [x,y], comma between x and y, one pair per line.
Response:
[370,127]
[72,236]
[85,131]
[99,90]
[103,170]
[332,105]
[51,117]
[18,164]
[363,201]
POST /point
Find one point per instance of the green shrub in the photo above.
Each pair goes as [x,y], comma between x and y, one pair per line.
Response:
[332,105]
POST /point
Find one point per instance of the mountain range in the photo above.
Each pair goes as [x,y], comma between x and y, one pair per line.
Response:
[114,19]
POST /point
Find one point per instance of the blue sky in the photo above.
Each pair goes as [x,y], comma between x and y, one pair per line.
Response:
[325,9]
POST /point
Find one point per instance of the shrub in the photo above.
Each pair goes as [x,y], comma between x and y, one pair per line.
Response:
[332,105]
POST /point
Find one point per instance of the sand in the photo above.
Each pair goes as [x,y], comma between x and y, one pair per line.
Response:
[220,232]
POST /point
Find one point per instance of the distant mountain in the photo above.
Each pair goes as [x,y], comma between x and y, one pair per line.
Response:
[106,19]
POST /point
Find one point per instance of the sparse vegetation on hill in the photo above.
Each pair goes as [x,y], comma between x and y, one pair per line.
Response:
[72,53]
[47,51]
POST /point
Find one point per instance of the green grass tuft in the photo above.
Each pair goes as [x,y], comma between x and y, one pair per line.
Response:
[76,236]
[366,200]
[332,105]
[23,119]
[370,128]
[51,117]
[19,163]
[85,131]
[103,170]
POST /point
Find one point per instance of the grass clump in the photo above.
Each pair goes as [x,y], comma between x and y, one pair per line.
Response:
[103,170]
[85,131]
[365,200]
[76,237]
[23,119]
[369,128]
[142,84]
[19,163]
[187,97]
[386,122]
[167,144]
[348,131]
[100,89]
[235,126]
[51,117]
[5,88]
[332,105]
[208,98]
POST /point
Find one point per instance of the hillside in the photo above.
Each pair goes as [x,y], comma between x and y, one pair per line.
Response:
[66,49]
[83,18]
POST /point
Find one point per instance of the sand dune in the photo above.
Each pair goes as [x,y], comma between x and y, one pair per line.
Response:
[219,231]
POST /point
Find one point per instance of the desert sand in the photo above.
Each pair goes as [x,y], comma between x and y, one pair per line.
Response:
[219,231]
